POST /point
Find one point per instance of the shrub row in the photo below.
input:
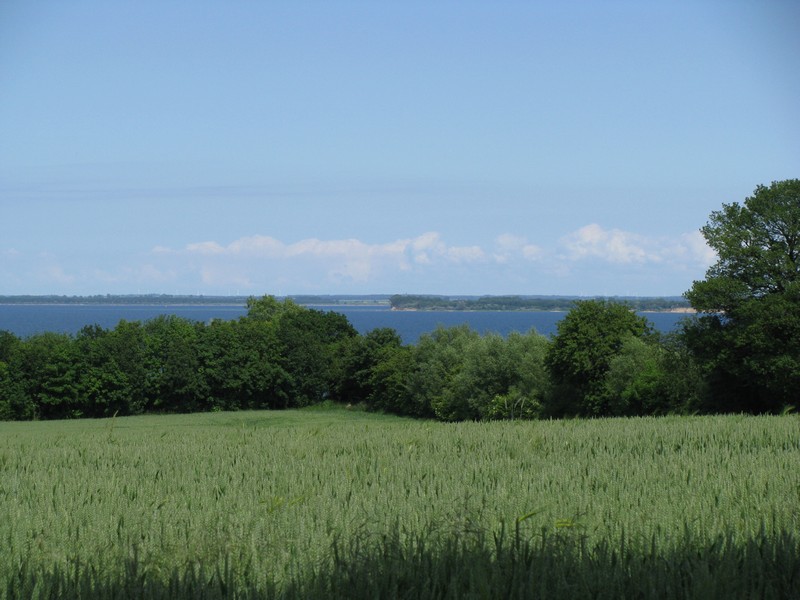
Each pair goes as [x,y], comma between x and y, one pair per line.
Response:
[604,361]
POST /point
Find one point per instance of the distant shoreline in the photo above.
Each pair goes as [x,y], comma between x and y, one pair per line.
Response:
[169,300]
[406,303]
[687,311]
[530,303]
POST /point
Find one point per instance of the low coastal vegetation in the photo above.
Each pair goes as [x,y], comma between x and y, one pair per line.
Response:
[554,303]
[330,502]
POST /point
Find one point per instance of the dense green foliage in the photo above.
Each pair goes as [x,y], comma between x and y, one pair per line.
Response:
[604,361]
[319,503]
[748,339]
[280,355]
[579,358]
[461,375]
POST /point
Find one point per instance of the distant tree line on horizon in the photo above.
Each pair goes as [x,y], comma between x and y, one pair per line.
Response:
[740,354]
[122,299]
[515,303]
[396,301]
[172,300]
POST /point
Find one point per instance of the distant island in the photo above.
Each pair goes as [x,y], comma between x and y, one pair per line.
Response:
[529,303]
[396,301]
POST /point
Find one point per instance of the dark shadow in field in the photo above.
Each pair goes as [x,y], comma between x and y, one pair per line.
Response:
[464,565]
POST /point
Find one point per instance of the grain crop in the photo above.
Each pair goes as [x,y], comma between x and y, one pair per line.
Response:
[263,498]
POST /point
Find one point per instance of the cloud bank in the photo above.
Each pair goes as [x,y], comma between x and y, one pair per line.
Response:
[335,265]
[334,261]
[615,246]
[589,260]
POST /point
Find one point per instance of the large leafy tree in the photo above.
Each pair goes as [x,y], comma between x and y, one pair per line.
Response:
[503,377]
[47,369]
[361,354]
[104,386]
[748,335]
[241,364]
[581,352]
[439,358]
[14,402]
[311,345]
[175,382]
[651,377]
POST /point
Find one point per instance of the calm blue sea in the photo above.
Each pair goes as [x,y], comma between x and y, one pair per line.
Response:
[26,320]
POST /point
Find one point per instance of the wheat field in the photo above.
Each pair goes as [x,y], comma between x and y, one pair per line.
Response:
[250,503]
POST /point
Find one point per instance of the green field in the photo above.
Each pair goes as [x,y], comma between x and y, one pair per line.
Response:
[338,502]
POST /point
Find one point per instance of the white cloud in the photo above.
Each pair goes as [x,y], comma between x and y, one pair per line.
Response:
[264,262]
[620,247]
[509,246]
[240,261]
[532,252]
[206,248]
[424,246]
[694,247]
[587,260]
[256,246]
[465,254]
[614,245]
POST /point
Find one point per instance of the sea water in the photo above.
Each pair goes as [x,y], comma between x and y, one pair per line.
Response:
[25,320]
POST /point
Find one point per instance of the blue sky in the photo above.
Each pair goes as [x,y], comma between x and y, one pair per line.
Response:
[384,147]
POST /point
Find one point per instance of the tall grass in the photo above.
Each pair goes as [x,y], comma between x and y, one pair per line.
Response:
[276,504]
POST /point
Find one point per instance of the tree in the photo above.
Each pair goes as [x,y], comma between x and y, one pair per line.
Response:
[175,382]
[758,245]
[241,364]
[47,369]
[128,345]
[361,354]
[580,355]
[439,358]
[311,344]
[376,370]
[505,378]
[104,388]
[14,402]
[268,308]
[652,377]
[748,335]
[388,382]
[458,375]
